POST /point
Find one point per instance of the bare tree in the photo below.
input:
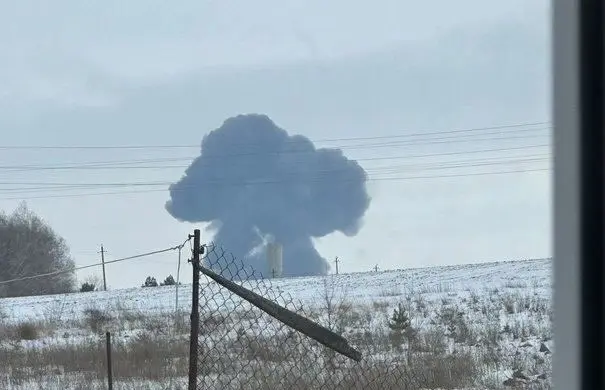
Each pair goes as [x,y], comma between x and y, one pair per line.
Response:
[28,246]
[336,309]
[335,305]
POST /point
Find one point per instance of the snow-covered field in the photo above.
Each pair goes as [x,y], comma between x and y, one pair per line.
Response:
[499,315]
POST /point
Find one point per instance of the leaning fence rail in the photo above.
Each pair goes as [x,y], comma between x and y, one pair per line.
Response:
[252,335]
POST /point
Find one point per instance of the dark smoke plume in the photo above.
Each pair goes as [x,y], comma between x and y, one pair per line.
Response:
[253,181]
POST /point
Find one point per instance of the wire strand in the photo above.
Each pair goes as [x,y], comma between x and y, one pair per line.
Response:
[377,158]
[134,164]
[303,174]
[73,269]
[400,178]
[397,136]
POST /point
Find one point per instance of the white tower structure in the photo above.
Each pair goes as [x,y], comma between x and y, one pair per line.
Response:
[275,259]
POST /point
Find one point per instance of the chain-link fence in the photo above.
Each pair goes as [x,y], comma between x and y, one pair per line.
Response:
[243,347]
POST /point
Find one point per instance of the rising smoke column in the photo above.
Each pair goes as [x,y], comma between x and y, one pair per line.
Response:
[253,177]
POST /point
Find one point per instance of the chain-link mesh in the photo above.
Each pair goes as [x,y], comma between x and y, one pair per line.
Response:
[242,347]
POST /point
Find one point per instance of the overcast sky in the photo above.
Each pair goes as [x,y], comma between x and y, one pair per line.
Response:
[157,73]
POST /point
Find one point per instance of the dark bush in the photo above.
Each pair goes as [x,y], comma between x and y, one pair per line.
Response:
[150,282]
[87,287]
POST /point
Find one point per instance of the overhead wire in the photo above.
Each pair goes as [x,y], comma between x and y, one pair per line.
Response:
[73,269]
[284,178]
[402,178]
[396,136]
[302,174]
[122,164]
[33,187]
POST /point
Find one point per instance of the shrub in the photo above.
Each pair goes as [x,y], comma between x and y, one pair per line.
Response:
[509,303]
[399,324]
[433,341]
[150,282]
[169,281]
[96,319]
[87,287]
[27,331]
[456,325]
[400,320]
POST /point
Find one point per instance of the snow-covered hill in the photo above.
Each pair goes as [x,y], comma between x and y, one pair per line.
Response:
[505,308]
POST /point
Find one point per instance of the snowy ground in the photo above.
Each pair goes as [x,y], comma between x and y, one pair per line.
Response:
[499,314]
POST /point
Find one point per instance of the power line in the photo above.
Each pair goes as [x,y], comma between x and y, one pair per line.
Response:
[303,174]
[59,272]
[467,130]
[123,164]
[404,178]
[252,151]
[397,136]
[452,164]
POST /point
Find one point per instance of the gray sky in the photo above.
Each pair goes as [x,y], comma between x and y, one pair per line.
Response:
[150,73]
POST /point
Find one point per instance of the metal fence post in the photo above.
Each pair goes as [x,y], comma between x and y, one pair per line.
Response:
[109,370]
[195,312]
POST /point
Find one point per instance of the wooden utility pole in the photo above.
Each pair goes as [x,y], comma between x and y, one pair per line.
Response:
[103,265]
[109,368]
[195,311]
[336,262]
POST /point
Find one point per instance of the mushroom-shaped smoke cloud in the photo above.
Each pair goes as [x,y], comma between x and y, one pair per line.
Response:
[253,177]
